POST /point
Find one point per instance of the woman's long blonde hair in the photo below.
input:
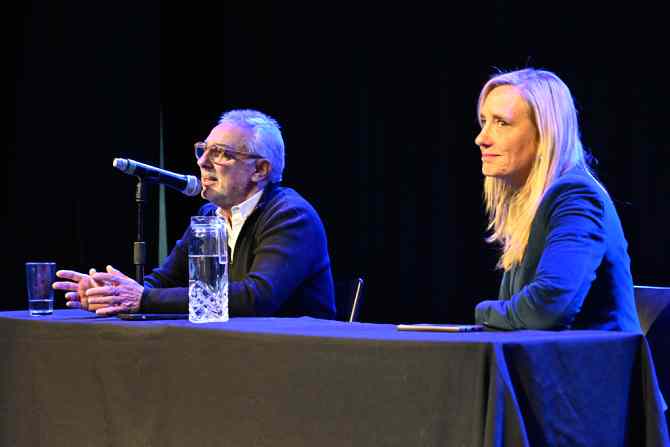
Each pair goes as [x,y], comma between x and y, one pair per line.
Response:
[511,211]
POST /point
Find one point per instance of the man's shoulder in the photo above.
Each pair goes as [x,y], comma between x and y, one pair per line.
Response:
[285,197]
[285,201]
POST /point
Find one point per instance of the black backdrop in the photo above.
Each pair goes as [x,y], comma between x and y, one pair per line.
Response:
[378,112]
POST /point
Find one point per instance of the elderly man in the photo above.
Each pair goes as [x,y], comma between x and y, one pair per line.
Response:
[279,263]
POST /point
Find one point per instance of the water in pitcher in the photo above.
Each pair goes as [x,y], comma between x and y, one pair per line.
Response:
[208,289]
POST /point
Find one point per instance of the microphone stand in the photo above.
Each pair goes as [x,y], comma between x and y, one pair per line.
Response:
[139,247]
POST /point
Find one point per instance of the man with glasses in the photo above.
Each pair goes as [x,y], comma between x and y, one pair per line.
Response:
[279,263]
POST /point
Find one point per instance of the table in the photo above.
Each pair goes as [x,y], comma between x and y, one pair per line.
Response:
[74,379]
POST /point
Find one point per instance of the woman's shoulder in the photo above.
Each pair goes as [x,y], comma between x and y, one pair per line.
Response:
[575,189]
[577,180]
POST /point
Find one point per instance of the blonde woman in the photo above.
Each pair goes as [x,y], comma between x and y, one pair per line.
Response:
[563,250]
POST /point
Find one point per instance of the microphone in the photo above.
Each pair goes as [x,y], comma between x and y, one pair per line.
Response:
[187,184]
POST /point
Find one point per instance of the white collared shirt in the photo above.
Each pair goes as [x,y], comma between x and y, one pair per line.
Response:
[238,215]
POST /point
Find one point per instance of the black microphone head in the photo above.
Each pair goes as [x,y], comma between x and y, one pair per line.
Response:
[121,164]
[186,184]
[193,187]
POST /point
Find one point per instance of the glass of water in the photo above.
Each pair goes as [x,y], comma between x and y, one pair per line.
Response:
[39,278]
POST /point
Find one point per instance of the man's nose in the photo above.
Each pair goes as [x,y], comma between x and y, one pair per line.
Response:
[203,161]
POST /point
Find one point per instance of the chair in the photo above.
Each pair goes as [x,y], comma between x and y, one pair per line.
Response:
[653,310]
[348,298]
[651,302]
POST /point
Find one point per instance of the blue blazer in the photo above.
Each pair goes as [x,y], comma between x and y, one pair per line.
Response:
[575,272]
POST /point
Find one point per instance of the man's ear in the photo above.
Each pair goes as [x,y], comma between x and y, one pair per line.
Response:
[262,172]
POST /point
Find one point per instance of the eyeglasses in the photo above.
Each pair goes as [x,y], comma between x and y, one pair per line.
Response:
[221,153]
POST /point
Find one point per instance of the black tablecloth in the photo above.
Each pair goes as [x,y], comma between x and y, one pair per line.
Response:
[74,379]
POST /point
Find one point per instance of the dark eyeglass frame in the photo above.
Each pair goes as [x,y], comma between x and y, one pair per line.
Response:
[224,150]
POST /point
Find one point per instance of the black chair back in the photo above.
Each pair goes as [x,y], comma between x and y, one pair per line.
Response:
[651,303]
[653,309]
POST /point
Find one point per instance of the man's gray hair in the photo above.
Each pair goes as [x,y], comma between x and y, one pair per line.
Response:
[265,137]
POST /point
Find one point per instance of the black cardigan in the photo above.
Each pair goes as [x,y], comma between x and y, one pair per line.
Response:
[281,265]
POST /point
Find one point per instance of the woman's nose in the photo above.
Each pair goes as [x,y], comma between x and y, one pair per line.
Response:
[482,138]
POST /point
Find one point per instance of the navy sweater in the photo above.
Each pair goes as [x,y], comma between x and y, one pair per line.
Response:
[281,265]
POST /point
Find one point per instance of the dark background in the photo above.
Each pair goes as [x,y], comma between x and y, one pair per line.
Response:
[378,112]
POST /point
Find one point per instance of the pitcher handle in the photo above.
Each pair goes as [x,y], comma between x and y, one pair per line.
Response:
[223,246]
